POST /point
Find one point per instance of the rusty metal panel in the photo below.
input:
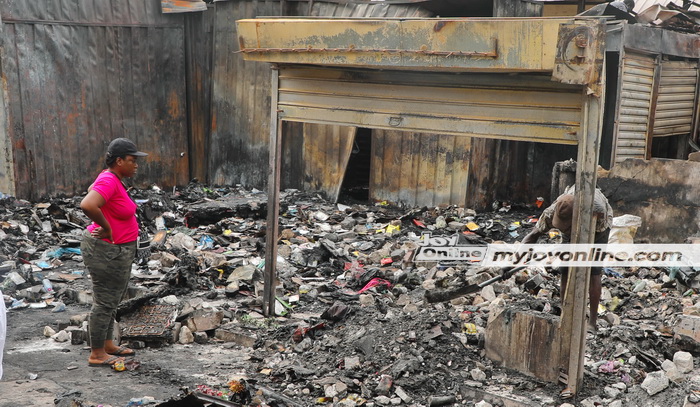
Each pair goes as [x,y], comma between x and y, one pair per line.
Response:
[634,106]
[150,322]
[522,107]
[79,75]
[419,169]
[517,44]
[576,60]
[657,41]
[326,154]
[676,99]
[182,6]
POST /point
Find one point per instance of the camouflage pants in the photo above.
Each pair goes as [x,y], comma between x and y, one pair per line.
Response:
[110,267]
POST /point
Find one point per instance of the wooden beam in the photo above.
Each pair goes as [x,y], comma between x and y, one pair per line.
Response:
[273,200]
[574,300]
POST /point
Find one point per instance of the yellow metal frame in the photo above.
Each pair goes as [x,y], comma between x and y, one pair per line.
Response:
[474,44]
[570,50]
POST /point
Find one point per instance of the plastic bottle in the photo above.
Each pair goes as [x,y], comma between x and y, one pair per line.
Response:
[48,287]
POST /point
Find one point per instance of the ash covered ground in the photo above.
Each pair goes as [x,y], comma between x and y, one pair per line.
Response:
[353,328]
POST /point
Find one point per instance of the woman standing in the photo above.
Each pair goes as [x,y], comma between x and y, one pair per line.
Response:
[109,247]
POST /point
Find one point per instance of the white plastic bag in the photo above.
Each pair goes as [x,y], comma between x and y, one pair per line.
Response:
[624,228]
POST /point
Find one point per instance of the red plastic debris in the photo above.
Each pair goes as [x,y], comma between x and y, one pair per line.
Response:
[418,223]
[374,283]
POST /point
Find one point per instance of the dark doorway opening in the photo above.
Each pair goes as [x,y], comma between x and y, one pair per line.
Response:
[356,181]
[675,147]
[607,138]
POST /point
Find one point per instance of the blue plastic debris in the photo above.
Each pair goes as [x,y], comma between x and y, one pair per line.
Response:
[206,242]
[62,251]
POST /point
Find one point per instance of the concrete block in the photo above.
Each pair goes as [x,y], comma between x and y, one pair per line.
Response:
[61,336]
[185,336]
[366,300]
[201,337]
[352,362]
[403,395]
[239,336]
[77,335]
[686,332]
[382,400]
[488,294]
[611,392]
[176,332]
[683,361]
[203,320]
[49,332]
[478,374]
[78,319]
[655,382]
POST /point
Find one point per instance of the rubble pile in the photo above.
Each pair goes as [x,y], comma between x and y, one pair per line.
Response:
[352,325]
[682,17]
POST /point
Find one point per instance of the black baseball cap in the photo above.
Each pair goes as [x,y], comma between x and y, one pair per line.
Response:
[121,147]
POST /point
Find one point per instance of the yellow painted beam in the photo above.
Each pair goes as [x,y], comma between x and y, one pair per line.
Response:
[503,44]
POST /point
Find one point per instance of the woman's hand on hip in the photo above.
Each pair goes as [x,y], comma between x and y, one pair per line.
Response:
[102,233]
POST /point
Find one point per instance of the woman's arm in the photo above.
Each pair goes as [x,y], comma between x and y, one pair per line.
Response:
[91,205]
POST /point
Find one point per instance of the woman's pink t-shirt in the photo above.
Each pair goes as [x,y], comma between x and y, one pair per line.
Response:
[119,209]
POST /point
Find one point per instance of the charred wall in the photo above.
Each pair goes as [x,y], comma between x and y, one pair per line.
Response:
[78,74]
[663,192]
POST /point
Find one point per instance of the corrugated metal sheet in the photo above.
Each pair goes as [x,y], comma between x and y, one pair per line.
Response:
[634,106]
[419,169]
[378,9]
[676,98]
[79,74]
[523,107]
[641,5]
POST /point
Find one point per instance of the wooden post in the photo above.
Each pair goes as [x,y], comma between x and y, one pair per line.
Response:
[574,300]
[652,107]
[273,200]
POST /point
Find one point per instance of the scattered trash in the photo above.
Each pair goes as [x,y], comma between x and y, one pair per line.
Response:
[352,323]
